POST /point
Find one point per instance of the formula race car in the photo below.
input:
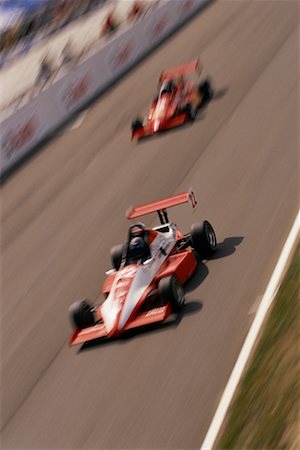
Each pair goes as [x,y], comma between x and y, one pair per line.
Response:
[149,270]
[177,102]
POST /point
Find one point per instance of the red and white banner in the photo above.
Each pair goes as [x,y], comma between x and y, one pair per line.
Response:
[76,90]
[18,136]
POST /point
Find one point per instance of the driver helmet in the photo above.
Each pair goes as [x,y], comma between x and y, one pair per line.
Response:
[137,248]
[167,87]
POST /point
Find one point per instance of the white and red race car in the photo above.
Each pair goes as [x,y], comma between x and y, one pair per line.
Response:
[145,285]
[178,100]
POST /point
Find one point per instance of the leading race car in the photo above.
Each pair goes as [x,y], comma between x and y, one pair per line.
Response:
[149,271]
[177,102]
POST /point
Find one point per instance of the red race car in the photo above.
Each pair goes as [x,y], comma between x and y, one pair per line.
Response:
[177,102]
[150,268]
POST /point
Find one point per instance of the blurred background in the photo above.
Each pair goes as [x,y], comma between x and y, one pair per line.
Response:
[63,209]
[38,38]
[23,21]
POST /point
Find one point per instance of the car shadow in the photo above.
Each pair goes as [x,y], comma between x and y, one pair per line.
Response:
[227,247]
[220,93]
[189,308]
[202,109]
[197,278]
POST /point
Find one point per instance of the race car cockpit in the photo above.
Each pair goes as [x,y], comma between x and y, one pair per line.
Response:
[138,248]
[167,87]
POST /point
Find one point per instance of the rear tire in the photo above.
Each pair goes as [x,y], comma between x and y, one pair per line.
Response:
[81,314]
[190,111]
[116,255]
[171,292]
[193,110]
[203,238]
[206,90]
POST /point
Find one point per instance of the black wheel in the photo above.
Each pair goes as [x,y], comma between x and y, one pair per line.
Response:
[171,291]
[203,238]
[81,314]
[116,255]
[190,110]
[206,90]
[136,125]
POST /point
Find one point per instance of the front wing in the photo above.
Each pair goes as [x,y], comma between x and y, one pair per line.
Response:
[148,129]
[98,331]
[182,265]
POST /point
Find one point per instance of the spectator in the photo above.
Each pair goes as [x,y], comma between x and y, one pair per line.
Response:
[109,26]
[67,55]
[40,21]
[136,11]
[45,73]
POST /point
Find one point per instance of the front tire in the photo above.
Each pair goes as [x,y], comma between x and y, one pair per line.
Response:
[204,238]
[193,110]
[171,292]
[136,124]
[190,110]
[81,314]
[206,90]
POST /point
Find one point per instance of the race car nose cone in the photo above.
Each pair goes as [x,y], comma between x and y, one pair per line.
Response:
[156,125]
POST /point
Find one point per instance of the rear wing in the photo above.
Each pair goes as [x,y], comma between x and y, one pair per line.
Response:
[161,206]
[179,71]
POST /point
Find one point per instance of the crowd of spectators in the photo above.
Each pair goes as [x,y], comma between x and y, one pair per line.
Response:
[48,69]
[51,64]
[69,56]
[111,24]
[47,18]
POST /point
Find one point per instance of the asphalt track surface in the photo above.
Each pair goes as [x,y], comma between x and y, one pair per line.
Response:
[64,209]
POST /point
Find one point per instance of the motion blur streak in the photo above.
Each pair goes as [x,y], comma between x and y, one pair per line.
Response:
[266,301]
[64,210]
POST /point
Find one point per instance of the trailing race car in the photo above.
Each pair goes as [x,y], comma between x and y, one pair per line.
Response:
[177,102]
[149,270]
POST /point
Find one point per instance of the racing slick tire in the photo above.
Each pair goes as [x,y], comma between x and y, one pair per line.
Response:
[193,110]
[172,292]
[136,124]
[81,314]
[190,110]
[206,90]
[116,255]
[204,238]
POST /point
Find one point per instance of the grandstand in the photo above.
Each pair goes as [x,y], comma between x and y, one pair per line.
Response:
[24,22]
[38,57]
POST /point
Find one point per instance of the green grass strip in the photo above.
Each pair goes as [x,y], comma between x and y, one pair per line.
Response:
[265,410]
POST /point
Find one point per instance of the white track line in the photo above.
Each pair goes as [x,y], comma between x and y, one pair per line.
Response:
[238,369]
[79,120]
